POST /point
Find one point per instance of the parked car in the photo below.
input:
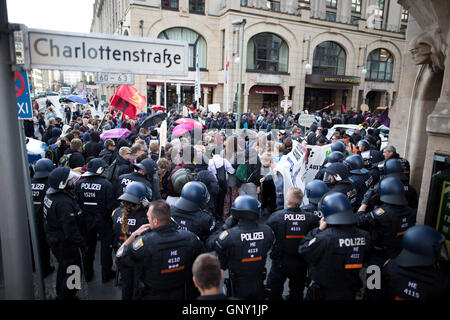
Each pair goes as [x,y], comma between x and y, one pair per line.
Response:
[350,129]
[52,93]
[41,95]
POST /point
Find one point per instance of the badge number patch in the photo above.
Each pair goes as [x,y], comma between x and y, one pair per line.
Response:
[138,244]
[223,235]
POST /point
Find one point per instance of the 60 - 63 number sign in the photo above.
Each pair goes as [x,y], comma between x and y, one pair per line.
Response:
[114,78]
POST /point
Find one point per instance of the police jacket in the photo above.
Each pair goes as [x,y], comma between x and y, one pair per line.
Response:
[387,225]
[349,190]
[243,249]
[39,188]
[290,226]
[313,209]
[136,218]
[62,221]
[95,198]
[372,198]
[166,255]
[199,222]
[335,257]
[127,178]
[414,283]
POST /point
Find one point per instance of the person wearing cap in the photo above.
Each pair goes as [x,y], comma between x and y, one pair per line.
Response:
[96,200]
[39,186]
[416,273]
[62,227]
[388,222]
[242,249]
[336,251]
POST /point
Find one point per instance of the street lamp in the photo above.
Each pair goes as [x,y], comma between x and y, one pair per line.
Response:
[242,23]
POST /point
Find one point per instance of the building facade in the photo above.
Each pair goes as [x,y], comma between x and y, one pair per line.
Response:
[312,53]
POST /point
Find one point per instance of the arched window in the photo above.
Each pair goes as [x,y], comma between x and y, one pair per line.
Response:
[267,52]
[196,42]
[380,65]
[329,59]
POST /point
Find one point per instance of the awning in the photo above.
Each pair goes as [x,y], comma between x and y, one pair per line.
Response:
[183,84]
[266,90]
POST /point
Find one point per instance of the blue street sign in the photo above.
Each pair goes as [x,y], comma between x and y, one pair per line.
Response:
[24,107]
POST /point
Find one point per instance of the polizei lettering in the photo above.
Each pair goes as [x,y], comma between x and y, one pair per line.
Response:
[294,217]
[352,242]
[252,236]
[91,186]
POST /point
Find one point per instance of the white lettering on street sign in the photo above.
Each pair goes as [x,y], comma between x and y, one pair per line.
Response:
[98,52]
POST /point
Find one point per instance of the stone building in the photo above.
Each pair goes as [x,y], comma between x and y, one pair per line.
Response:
[309,52]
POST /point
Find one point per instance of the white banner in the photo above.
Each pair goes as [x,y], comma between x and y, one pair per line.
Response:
[316,156]
[106,53]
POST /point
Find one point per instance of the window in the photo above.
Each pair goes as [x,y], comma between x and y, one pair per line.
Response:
[244,3]
[273,5]
[329,59]
[379,11]
[196,43]
[267,52]
[380,65]
[405,15]
[332,4]
[197,6]
[356,6]
[169,4]
[304,3]
[354,20]
[330,16]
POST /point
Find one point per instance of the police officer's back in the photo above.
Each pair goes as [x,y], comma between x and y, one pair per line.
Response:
[388,222]
[337,179]
[188,213]
[335,252]
[415,273]
[39,186]
[166,255]
[62,226]
[243,249]
[333,157]
[290,226]
[96,200]
[360,177]
[314,191]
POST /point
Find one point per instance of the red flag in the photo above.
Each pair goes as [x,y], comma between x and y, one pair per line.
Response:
[343,108]
[127,99]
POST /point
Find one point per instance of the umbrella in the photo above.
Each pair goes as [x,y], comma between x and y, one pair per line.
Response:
[115,133]
[76,99]
[180,130]
[191,122]
[159,108]
[154,119]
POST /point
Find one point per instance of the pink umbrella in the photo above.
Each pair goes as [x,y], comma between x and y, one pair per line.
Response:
[180,130]
[115,133]
[190,122]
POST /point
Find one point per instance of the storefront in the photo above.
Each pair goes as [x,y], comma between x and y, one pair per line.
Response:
[261,96]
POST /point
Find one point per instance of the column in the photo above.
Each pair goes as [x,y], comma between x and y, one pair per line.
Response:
[205,96]
[245,102]
[158,95]
[354,98]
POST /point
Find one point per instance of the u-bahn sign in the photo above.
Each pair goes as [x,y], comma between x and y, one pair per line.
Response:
[105,53]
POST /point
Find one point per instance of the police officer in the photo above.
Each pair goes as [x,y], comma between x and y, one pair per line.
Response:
[62,226]
[39,186]
[188,210]
[359,176]
[126,219]
[243,250]
[145,172]
[389,152]
[339,146]
[314,192]
[166,255]
[289,226]
[333,157]
[96,200]
[337,179]
[371,159]
[388,222]
[415,274]
[335,252]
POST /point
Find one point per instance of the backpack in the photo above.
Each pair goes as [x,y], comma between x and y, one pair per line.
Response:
[52,153]
[241,173]
[180,178]
[109,172]
[221,175]
[64,160]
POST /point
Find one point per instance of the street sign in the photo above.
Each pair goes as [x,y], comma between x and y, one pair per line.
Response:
[114,78]
[24,107]
[106,53]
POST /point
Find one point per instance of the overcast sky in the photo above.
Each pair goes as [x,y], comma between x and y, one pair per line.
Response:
[62,15]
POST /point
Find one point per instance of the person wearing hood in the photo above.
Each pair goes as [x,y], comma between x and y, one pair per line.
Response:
[123,165]
[55,133]
[311,135]
[93,147]
[108,153]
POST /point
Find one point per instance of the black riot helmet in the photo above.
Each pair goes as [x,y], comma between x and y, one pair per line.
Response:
[194,196]
[245,207]
[363,145]
[136,192]
[422,246]
[372,158]
[148,166]
[95,167]
[315,190]
[338,146]
[394,168]
[59,179]
[338,170]
[392,191]
[355,164]
[42,168]
[337,209]
[335,156]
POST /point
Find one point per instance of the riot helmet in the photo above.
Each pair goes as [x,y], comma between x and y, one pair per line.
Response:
[315,190]
[338,146]
[337,209]
[338,171]
[42,168]
[148,166]
[363,145]
[355,164]
[422,246]
[394,168]
[194,196]
[392,191]
[59,179]
[135,192]
[95,167]
[335,156]
[245,207]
